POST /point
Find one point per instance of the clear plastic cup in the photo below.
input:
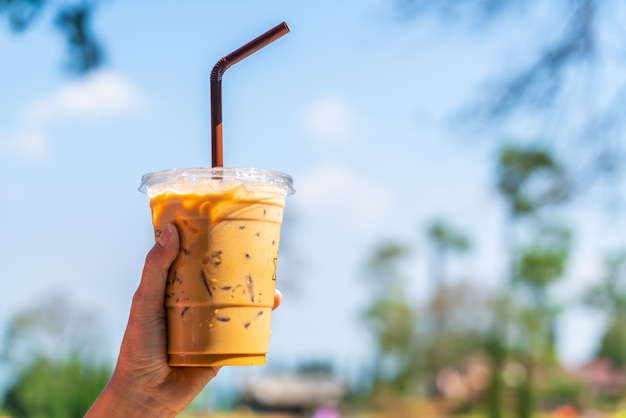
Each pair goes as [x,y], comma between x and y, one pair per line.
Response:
[220,288]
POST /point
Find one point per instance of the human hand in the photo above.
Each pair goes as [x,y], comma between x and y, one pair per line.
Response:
[143,384]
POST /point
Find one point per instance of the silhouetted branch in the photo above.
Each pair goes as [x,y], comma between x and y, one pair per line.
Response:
[73,19]
[482,10]
[85,53]
[21,13]
[537,85]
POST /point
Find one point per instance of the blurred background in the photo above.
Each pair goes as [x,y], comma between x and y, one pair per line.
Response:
[457,242]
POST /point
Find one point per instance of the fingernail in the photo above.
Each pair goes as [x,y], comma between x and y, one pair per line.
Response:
[166,233]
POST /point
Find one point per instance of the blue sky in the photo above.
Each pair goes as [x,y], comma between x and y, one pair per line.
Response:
[353,104]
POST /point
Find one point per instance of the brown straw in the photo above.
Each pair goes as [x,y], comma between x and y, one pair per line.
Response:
[216,85]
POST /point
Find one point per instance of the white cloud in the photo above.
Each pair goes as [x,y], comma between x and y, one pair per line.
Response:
[335,192]
[330,120]
[29,143]
[101,95]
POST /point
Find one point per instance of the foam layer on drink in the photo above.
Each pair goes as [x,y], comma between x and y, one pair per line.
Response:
[220,288]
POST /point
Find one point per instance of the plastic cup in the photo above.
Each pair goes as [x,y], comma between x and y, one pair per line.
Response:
[220,288]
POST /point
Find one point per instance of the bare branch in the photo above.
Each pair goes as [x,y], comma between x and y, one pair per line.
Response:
[537,85]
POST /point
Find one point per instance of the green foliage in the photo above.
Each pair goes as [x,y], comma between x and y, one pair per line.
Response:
[413,342]
[53,352]
[450,349]
[544,260]
[390,318]
[444,240]
[539,268]
[525,397]
[497,352]
[54,389]
[609,296]
[393,322]
[529,179]
[393,325]
[389,315]
[452,327]
[557,387]
[384,264]
[446,237]
[613,342]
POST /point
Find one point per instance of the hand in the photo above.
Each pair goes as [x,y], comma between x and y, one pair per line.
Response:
[143,384]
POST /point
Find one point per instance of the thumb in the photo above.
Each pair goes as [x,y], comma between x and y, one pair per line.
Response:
[166,248]
[151,289]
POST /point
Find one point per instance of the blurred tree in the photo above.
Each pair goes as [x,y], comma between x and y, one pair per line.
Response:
[609,296]
[444,239]
[391,318]
[542,264]
[450,326]
[415,341]
[497,352]
[55,389]
[530,181]
[543,261]
[73,18]
[54,353]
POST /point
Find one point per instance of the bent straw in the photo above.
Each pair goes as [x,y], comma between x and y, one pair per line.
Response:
[216,85]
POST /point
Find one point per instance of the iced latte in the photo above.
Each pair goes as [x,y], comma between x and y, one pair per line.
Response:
[220,288]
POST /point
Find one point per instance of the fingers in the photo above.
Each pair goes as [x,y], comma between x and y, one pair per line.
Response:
[278,298]
[159,259]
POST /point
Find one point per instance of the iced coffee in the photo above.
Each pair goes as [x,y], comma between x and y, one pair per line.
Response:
[220,288]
